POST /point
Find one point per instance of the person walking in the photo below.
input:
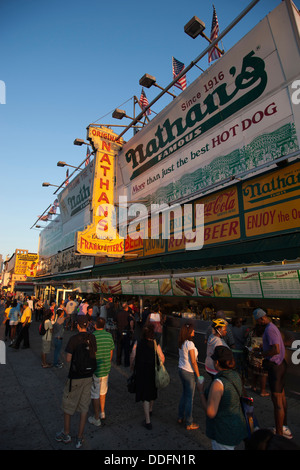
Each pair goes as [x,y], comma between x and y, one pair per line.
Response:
[71,311]
[188,373]
[58,333]
[25,321]
[6,319]
[125,329]
[105,349]
[258,374]
[273,353]
[143,361]
[219,332]
[47,337]
[77,390]
[14,318]
[225,422]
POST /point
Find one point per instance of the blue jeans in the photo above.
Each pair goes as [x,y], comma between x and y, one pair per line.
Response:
[185,408]
[57,349]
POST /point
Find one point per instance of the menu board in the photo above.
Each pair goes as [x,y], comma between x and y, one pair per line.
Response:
[127,287]
[221,286]
[138,287]
[245,285]
[268,285]
[151,287]
[204,286]
[184,286]
[280,284]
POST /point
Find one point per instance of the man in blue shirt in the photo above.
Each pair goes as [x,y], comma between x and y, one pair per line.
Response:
[273,352]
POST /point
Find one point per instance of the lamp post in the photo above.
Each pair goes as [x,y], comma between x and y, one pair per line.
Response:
[46,184]
[120,114]
[80,142]
[148,80]
[195,27]
[62,164]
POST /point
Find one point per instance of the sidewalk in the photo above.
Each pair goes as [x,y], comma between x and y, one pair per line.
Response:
[30,403]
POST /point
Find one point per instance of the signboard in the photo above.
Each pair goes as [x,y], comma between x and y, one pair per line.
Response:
[235,117]
[25,265]
[256,285]
[271,202]
[77,194]
[100,237]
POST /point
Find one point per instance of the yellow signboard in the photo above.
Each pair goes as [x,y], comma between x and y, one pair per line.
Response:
[26,264]
[100,238]
[270,189]
[276,218]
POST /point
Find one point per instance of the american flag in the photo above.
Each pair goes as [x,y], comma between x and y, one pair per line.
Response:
[52,210]
[88,154]
[144,102]
[44,218]
[214,53]
[177,68]
[67,177]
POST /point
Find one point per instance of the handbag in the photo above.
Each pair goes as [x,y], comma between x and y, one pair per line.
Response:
[131,383]
[162,378]
[247,406]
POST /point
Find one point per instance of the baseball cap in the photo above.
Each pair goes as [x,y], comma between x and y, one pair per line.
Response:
[258,313]
[82,321]
[222,353]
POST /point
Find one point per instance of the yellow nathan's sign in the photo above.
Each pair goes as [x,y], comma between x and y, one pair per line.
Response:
[100,238]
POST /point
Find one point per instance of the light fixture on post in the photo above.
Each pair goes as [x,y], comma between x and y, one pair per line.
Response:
[80,142]
[46,184]
[148,80]
[66,164]
[195,27]
[120,114]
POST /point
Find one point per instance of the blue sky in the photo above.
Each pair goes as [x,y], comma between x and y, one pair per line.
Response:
[67,64]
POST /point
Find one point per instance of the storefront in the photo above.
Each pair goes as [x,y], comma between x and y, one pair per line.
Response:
[206,195]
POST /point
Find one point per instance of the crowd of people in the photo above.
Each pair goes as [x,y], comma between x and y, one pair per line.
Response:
[235,354]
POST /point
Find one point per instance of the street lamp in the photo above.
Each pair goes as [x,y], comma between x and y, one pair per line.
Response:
[195,27]
[66,164]
[120,114]
[80,142]
[148,80]
[46,184]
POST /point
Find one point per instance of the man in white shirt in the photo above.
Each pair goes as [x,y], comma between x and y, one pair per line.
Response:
[71,311]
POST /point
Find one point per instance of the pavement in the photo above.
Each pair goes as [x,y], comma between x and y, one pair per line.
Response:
[31,414]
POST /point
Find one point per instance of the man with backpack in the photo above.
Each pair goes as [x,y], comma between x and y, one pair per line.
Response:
[81,354]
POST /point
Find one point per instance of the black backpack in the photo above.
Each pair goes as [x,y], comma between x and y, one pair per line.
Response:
[83,363]
[42,330]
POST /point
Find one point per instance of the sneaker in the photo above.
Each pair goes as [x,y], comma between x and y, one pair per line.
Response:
[287,432]
[79,442]
[192,426]
[93,420]
[62,437]
[102,415]
[147,425]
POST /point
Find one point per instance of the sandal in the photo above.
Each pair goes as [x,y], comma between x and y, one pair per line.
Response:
[192,426]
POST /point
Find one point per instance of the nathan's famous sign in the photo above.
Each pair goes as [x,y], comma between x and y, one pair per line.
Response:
[100,237]
[234,117]
[217,106]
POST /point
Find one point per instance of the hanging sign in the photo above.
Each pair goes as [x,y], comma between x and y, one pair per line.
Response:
[100,238]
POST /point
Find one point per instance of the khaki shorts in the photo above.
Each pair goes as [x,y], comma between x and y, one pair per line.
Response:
[46,346]
[79,398]
[99,386]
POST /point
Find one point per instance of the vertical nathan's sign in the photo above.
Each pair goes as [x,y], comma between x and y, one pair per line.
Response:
[101,238]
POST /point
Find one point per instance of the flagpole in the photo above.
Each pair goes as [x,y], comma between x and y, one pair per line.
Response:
[194,62]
